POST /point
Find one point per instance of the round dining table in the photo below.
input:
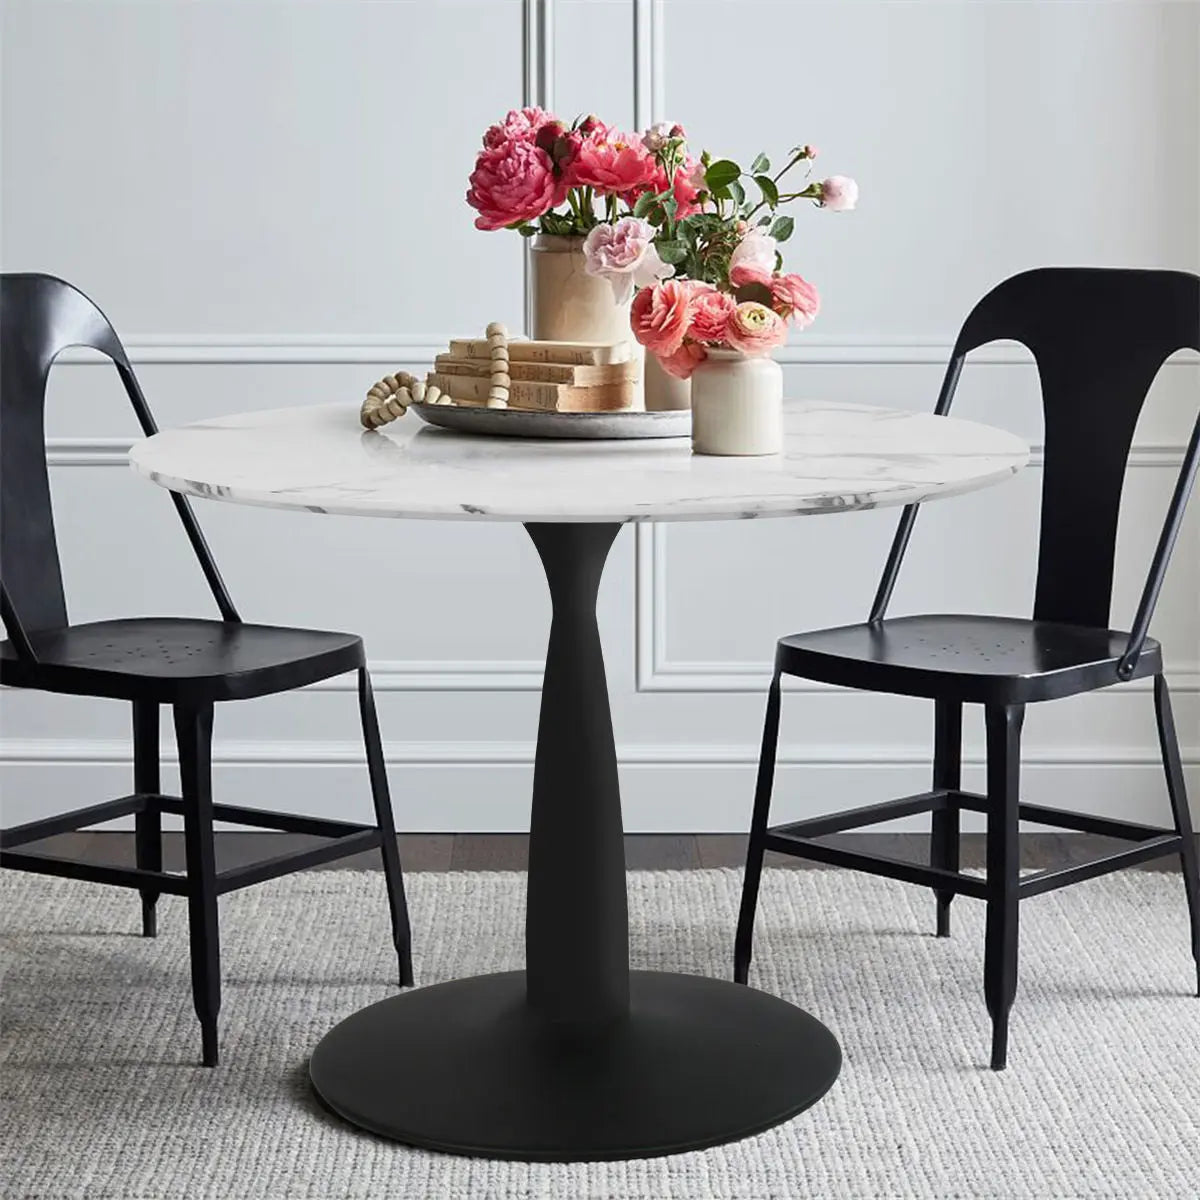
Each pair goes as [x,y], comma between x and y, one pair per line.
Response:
[576,1057]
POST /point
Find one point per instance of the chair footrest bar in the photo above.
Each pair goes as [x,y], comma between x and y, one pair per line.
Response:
[1144,851]
[281,822]
[870,814]
[783,841]
[1063,818]
[297,860]
[130,877]
[68,822]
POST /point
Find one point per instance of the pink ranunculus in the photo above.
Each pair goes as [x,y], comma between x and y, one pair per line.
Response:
[711,310]
[684,361]
[519,124]
[794,298]
[511,183]
[753,258]
[625,255]
[839,193]
[754,329]
[612,163]
[660,316]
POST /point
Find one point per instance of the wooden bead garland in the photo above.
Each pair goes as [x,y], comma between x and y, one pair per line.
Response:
[497,338]
[391,396]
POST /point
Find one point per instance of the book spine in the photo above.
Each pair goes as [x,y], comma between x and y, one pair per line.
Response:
[571,353]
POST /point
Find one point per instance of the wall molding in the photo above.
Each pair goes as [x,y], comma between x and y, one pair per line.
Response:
[287,349]
[649,63]
[93,752]
[655,672]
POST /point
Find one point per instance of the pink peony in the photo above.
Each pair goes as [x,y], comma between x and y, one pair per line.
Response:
[520,124]
[794,297]
[511,183]
[560,144]
[711,310]
[685,192]
[684,361]
[754,329]
[625,255]
[839,193]
[753,258]
[660,316]
[612,163]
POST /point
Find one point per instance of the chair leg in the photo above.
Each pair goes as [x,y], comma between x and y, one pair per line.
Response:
[148,822]
[393,874]
[193,732]
[947,773]
[1003,870]
[1173,766]
[742,947]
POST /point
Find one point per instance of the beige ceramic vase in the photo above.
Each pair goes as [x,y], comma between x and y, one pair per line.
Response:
[737,405]
[569,305]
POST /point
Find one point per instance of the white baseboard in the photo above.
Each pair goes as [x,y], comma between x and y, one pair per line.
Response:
[485,786]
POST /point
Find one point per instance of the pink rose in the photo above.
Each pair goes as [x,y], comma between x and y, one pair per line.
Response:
[793,296]
[754,329]
[839,193]
[625,255]
[711,310]
[684,361]
[753,258]
[520,124]
[513,182]
[612,163]
[660,316]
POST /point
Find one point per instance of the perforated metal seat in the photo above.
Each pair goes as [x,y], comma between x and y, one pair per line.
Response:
[175,660]
[974,659]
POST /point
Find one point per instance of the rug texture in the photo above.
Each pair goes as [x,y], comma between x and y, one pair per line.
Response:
[101,1097]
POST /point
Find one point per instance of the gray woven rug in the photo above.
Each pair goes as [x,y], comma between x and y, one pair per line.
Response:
[101,1099]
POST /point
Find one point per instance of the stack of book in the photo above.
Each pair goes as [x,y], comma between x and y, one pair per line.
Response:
[545,376]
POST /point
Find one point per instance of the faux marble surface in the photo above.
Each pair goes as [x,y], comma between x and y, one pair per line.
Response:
[836,457]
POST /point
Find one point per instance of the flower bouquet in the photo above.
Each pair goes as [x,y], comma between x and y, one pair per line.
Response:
[696,238]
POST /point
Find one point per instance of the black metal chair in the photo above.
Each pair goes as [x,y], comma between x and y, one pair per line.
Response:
[1098,337]
[151,661]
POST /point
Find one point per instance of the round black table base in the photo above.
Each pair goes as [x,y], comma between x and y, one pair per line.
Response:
[467,1067]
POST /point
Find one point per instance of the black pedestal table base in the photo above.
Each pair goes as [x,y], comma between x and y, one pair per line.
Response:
[575,1058]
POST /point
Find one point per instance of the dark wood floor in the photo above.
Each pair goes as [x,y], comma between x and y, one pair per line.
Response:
[509,851]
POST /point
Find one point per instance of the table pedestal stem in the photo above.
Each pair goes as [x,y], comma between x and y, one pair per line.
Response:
[577,928]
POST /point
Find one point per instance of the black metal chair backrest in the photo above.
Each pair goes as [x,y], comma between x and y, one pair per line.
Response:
[1099,337]
[41,316]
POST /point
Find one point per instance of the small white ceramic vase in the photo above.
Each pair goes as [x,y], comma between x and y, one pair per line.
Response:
[737,405]
[569,305]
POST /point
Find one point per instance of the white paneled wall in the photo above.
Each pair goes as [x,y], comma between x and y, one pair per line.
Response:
[267,199]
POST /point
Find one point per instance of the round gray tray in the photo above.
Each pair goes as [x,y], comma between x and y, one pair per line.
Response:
[513,422]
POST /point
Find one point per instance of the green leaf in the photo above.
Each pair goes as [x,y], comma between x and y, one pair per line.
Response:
[760,165]
[765,219]
[721,193]
[737,192]
[770,192]
[781,230]
[778,261]
[670,205]
[656,216]
[527,231]
[672,252]
[644,203]
[721,174]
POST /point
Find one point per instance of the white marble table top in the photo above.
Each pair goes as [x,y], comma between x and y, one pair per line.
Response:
[836,456]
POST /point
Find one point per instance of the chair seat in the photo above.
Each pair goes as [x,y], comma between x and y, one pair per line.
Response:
[179,660]
[975,659]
